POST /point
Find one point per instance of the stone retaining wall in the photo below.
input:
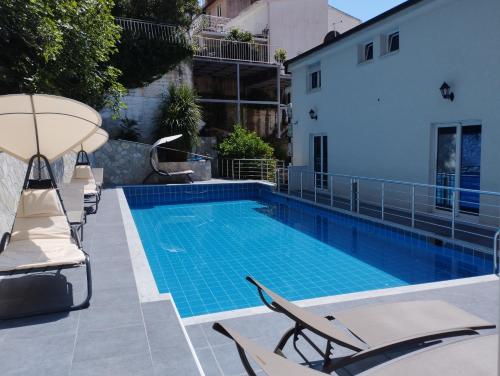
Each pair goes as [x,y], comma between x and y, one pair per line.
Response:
[12,173]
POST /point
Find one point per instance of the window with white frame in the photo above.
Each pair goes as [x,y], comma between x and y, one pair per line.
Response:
[393,42]
[219,10]
[314,77]
[368,51]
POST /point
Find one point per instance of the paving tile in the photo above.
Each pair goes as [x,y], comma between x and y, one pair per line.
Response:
[108,297]
[45,325]
[26,355]
[165,365]
[128,365]
[101,344]
[208,362]
[112,316]
[161,311]
[197,336]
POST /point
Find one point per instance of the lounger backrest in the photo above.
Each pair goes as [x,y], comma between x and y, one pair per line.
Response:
[40,215]
[83,172]
[316,323]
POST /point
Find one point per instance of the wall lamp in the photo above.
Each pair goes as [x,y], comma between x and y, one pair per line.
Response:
[313,114]
[446,92]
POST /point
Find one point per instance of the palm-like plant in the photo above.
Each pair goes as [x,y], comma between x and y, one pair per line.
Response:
[180,114]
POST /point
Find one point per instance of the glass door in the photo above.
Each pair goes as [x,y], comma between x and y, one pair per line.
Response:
[458,165]
[320,160]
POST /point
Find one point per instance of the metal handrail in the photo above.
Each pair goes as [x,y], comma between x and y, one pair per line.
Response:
[221,48]
[408,205]
[496,240]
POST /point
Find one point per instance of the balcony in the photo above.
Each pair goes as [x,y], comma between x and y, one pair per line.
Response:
[217,48]
[209,24]
[152,30]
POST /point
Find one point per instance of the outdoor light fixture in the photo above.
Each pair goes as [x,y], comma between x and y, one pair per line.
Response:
[313,114]
[446,92]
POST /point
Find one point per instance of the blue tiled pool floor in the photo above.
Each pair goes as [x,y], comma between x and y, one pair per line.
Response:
[201,253]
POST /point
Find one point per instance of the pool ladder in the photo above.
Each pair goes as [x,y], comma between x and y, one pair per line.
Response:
[496,240]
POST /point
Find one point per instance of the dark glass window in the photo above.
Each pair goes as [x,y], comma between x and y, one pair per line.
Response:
[393,42]
[315,80]
[369,51]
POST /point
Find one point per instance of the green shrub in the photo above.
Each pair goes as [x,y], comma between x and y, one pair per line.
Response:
[238,35]
[243,143]
[129,130]
[180,114]
[280,55]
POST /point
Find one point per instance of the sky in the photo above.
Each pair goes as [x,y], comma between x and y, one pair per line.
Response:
[364,9]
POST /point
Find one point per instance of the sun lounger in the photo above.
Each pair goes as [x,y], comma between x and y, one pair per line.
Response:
[98,177]
[477,356]
[42,240]
[372,329]
[271,363]
[73,198]
[471,357]
[83,175]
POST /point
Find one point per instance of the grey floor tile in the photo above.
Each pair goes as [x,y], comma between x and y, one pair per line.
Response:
[165,365]
[161,311]
[133,365]
[197,336]
[25,355]
[108,297]
[208,362]
[110,343]
[111,316]
[45,325]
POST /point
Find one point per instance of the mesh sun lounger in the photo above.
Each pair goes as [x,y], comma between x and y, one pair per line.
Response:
[83,175]
[271,363]
[373,329]
[98,176]
[42,240]
[471,357]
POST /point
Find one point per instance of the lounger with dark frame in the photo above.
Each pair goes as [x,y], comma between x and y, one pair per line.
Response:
[373,329]
[155,165]
[51,245]
[83,174]
[470,357]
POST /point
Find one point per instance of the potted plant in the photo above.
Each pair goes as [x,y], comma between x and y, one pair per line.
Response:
[280,56]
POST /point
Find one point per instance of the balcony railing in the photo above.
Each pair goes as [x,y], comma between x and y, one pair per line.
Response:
[231,50]
[249,169]
[471,216]
[206,23]
[153,30]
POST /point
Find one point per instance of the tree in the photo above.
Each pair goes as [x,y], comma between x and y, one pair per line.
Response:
[180,114]
[243,143]
[60,47]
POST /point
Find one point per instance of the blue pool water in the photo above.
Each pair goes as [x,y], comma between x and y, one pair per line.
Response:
[202,251]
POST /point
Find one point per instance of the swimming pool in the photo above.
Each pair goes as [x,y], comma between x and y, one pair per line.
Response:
[202,242]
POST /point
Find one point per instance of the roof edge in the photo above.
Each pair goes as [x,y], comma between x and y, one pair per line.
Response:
[399,8]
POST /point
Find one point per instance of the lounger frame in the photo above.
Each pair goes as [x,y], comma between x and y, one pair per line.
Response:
[329,363]
[49,183]
[156,169]
[82,159]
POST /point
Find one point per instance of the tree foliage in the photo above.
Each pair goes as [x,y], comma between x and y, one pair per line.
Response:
[238,35]
[243,143]
[60,47]
[180,114]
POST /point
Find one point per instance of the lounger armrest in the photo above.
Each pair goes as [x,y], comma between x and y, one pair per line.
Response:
[5,241]
[261,293]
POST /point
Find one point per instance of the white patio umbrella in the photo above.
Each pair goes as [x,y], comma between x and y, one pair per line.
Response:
[46,126]
[93,142]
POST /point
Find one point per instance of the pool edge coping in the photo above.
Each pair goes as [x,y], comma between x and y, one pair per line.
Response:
[148,291]
[144,280]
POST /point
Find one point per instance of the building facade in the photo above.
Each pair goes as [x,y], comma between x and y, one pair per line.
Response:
[368,103]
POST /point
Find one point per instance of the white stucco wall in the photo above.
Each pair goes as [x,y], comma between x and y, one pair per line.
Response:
[253,19]
[340,21]
[379,115]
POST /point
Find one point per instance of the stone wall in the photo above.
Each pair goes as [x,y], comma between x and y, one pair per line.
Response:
[12,173]
[143,103]
[124,162]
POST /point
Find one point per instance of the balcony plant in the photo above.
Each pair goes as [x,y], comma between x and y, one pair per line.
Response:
[245,144]
[280,55]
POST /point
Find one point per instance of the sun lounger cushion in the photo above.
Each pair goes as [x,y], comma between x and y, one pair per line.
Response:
[83,172]
[39,253]
[41,228]
[39,203]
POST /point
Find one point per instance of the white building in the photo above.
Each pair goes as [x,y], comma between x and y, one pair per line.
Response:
[375,91]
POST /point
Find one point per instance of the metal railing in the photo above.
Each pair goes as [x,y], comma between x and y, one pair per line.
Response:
[208,23]
[496,248]
[153,30]
[231,50]
[467,215]
[250,169]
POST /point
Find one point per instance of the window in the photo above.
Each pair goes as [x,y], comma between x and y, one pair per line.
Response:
[368,51]
[393,42]
[314,77]
[219,10]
